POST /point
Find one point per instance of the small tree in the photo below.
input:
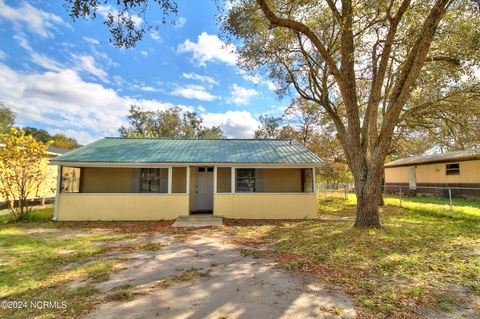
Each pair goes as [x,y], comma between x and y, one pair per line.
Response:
[20,170]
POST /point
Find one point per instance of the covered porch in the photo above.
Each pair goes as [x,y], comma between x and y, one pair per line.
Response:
[154,192]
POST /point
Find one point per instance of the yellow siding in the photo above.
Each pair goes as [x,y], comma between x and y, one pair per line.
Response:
[282,180]
[49,182]
[46,189]
[106,180]
[436,173]
[265,206]
[397,174]
[224,180]
[121,206]
[179,180]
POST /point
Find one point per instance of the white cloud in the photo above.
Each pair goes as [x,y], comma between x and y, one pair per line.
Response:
[241,95]
[63,101]
[81,62]
[105,10]
[240,124]
[201,109]
[87,63]
[22,42]
[91,40]
[255,79]
[3,55]
[38,58]
[271,86]
[194,92]
[144,53]
[156,36]
[146,88]
[198,77]
[46,62]
[180,23]
[209,48]
[30,18]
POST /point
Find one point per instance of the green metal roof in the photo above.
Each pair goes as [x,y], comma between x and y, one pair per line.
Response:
[145,150]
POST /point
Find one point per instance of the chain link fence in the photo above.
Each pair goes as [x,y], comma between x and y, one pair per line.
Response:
[459,199]
[330,192]
[450,198]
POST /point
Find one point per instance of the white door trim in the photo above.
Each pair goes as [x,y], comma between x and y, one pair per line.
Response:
[204,190]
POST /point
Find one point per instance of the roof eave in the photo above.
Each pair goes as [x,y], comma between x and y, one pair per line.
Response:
[438,161]
[166,164]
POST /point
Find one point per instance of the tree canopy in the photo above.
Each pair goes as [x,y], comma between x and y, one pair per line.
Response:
[58,140]
[7,118]
[171,123]
[125,19]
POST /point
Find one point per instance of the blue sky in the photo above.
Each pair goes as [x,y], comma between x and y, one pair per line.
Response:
[65,76]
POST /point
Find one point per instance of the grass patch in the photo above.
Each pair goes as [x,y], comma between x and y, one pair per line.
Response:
[38,264]
[130,248]
[40,215]
[398,271]
[120,295]
[462,208]
[189,275]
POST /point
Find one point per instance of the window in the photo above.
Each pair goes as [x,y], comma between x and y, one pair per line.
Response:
[307,178]
[246,180]
[70,182]
[453,169]
[154,180]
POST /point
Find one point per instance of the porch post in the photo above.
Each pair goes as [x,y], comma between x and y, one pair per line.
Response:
[170,180]
[57,192]
[188,180]
[232,175]
[314,181]
[214,179]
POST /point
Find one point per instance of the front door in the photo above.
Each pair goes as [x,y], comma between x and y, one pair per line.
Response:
[204,189]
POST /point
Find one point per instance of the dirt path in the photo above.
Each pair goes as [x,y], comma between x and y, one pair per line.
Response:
[205,277]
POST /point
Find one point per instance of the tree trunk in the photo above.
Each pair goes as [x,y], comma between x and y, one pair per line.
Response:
[368,189]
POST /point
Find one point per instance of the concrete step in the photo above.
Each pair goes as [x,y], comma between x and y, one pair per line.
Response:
[203,220]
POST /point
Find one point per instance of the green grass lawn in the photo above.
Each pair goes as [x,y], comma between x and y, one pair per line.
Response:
[466,208]
[33,260]
[424,261]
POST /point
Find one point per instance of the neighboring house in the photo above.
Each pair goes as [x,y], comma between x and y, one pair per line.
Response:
[46,190]
[453,169]
[153,179]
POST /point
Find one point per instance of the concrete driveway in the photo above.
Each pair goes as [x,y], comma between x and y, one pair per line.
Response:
[206,277]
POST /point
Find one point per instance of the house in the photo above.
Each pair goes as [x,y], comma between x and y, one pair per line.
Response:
[45,193]
[423,173]
[153,179]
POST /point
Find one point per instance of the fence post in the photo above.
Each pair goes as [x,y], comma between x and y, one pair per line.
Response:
[450,198]
[400,196]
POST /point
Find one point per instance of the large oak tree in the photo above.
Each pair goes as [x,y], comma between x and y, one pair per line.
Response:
[358,60]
